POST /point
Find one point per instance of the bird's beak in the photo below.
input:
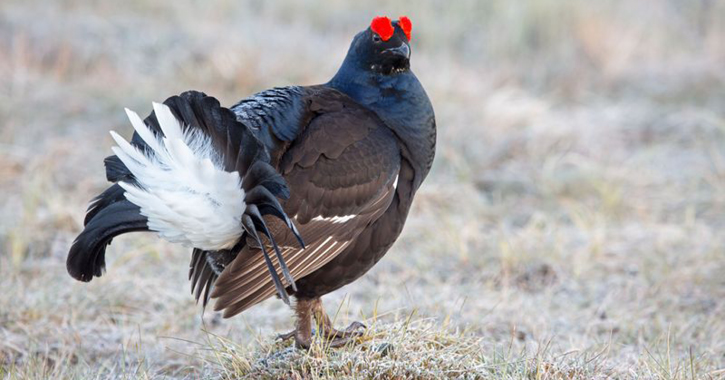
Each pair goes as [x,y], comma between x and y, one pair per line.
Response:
[403,51]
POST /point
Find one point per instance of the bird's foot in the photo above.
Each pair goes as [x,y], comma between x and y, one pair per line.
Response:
[302,334]
[354,330]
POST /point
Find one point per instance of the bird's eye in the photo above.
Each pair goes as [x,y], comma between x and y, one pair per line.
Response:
[376,38]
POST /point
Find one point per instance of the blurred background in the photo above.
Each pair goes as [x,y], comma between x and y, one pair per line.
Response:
[576,205]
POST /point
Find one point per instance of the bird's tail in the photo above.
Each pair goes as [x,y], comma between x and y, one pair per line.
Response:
[193,174]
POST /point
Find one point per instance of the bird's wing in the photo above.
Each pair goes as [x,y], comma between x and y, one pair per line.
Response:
[341,170]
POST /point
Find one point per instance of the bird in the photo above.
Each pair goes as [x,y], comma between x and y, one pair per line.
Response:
[294,191]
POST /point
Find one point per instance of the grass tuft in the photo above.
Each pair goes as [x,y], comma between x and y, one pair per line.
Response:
[407,348]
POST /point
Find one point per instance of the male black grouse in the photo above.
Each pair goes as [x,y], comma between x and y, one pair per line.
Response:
[294,190]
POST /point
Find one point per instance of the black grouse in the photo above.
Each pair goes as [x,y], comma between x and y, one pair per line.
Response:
[293,191]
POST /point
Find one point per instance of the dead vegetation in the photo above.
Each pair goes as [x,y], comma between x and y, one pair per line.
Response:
[572,227]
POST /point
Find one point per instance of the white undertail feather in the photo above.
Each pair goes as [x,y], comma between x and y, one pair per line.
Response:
[183,190]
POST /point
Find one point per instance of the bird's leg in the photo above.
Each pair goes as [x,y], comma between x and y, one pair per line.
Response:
[302,333]
[340,337]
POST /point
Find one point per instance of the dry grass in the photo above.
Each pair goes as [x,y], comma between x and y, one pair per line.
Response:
[404,349]
[572,226]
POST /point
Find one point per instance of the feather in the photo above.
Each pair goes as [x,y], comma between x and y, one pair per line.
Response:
[269,205]
[196,257]
[116,170]
[106,198]
[143,131]
[206,274]
[207,292]
[168,122]
[86,258]
[199,268]
[259,221]
[250,228]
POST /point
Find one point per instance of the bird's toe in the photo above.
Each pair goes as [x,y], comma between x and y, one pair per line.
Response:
[286,336]
[355,329]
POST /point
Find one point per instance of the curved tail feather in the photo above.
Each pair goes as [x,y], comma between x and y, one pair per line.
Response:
[87,256]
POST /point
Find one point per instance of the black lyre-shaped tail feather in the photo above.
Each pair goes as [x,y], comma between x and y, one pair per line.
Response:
[86,257]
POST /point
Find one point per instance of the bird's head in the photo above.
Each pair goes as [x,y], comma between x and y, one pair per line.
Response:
[384,47]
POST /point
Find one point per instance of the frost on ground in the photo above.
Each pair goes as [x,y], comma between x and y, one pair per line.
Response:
[405,349]
[572,226]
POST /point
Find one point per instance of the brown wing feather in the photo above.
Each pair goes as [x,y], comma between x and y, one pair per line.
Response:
[245,282]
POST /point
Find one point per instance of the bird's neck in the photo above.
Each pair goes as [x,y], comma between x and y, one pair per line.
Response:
[371,89]
[401,102]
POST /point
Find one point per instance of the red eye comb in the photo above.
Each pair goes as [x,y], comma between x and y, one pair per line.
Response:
[406,25]
[383,27]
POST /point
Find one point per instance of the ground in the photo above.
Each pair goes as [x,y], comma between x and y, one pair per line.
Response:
[572,226]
